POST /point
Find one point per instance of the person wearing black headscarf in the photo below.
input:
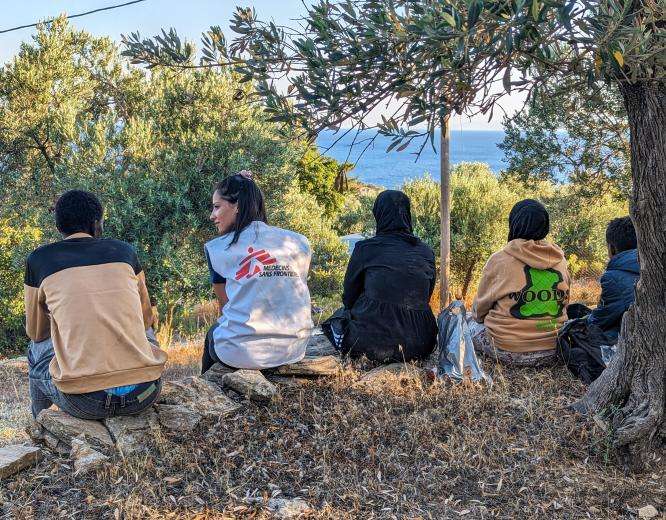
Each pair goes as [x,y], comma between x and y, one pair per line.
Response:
[529,220]
[387,289]
[523,292]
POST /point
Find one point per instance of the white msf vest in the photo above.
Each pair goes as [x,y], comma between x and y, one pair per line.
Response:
[267,320]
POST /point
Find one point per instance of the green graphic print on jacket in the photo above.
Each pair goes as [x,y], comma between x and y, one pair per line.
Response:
[540,297]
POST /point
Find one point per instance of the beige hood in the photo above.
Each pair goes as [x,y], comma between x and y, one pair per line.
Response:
[538,254]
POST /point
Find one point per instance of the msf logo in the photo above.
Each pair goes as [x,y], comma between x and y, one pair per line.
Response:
[254,263]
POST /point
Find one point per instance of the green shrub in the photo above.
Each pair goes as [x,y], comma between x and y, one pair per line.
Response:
[424,196]
[480,206]
[317,175]
[355,215]
[17,239]
[151,145]
[302,214]
[578,226]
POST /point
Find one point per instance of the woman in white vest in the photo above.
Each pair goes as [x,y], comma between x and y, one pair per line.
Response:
[259,275]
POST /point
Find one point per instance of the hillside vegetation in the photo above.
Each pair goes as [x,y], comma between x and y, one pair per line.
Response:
[153,143]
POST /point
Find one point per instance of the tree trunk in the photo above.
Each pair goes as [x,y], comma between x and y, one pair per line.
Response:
[631,393]
[468,277]
[445,217]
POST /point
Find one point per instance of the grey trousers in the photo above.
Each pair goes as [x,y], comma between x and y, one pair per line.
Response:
[483,343]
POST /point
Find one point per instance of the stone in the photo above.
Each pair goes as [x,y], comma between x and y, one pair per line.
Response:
[316,366]
[318,345]
[16,458]
[288,381]
[55,444]
[40,435]
[393,369]
[64,428]
[85,458]
[215,373]
[35,431]
[176,417]
[286,508]
[517,402]
[198,395]
[647,512]
[133,432]
[251,384]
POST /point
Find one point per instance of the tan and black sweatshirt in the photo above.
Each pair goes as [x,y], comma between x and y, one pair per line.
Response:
[89,295]
[522,295]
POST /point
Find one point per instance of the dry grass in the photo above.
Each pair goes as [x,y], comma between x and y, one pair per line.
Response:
[401,448]
[184,359]
[14,401]
[586,290]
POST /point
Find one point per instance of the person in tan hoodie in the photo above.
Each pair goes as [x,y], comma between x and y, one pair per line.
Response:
[523,293]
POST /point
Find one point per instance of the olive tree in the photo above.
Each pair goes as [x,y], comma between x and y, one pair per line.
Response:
[592,153]
[421,60]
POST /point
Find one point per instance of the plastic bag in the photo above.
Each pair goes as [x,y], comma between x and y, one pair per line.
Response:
[457,358]
[607,353]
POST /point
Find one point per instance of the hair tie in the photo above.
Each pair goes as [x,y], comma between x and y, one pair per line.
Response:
[246,174]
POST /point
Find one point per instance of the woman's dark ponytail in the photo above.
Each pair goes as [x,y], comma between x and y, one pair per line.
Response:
[245,192]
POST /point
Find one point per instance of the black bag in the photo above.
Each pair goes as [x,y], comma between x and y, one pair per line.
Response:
[577,310]
[579,347]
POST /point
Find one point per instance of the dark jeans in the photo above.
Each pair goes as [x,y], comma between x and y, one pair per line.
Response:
[209,357]
[91,405]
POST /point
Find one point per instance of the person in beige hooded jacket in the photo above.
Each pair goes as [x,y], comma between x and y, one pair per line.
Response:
[523,293]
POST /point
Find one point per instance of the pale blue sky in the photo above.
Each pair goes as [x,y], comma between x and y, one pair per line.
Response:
[188,17]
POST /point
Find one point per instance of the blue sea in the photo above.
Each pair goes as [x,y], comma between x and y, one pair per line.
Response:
[390,170]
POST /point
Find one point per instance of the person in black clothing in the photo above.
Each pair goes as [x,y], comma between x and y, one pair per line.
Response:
[387,289]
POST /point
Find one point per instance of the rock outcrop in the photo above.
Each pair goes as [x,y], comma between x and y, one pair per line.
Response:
[200,396]
[311,366]
[319,346]
[177,417]
[85,458]
[132,433]
[181,407]
[287,509]
[393,369]
[251,384]
[55,426]
[215,373]
[16,458]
